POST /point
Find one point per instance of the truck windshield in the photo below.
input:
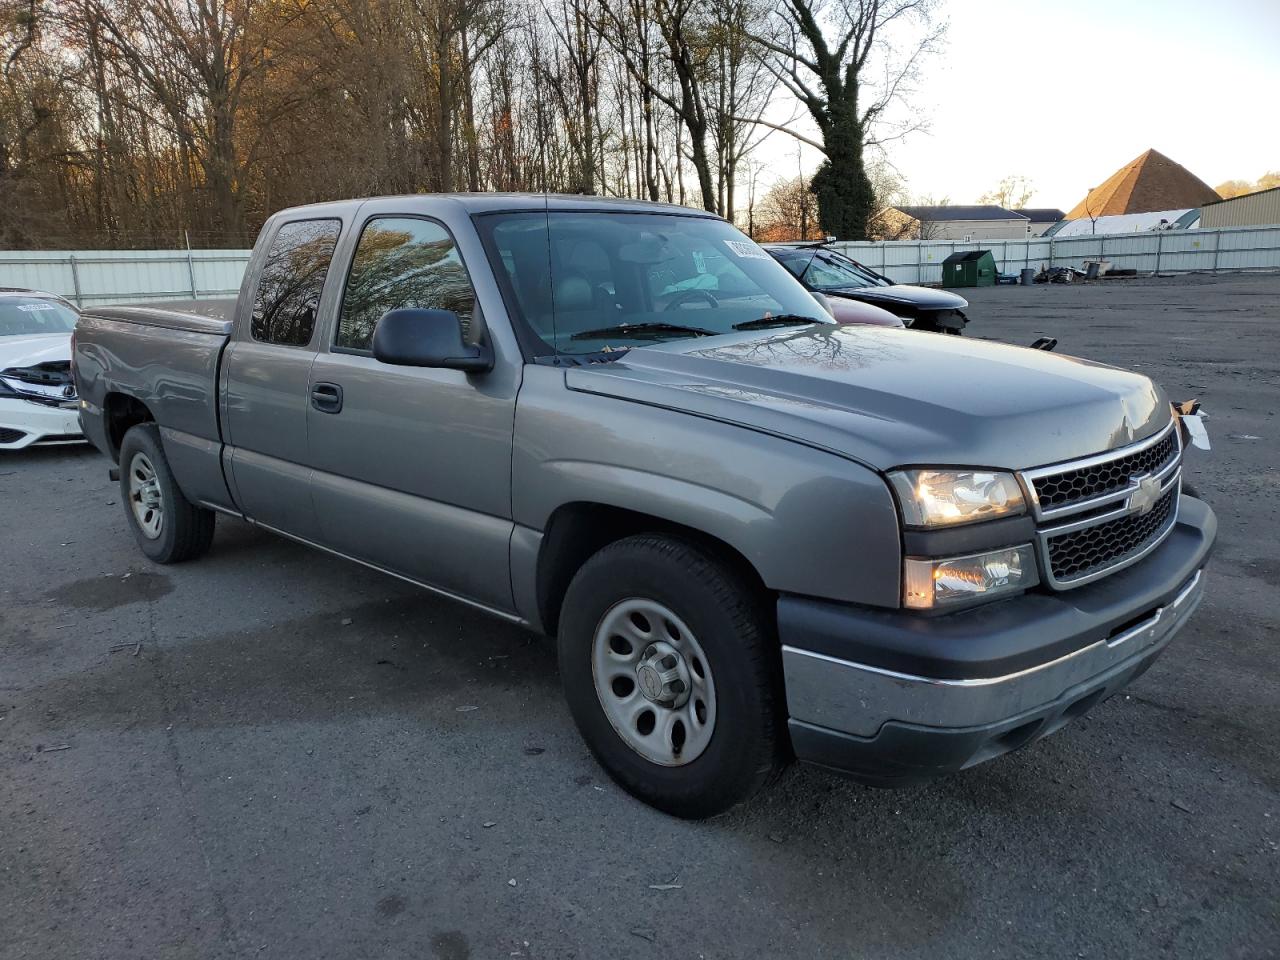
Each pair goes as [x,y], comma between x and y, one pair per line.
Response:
[828,270]
[585,282]
[32,316]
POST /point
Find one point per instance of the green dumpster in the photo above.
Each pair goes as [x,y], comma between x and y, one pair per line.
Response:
[969,268]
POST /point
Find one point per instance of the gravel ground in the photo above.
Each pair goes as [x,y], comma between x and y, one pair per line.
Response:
[274,752]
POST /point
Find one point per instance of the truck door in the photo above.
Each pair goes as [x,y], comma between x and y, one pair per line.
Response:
[413,465]
[266,374]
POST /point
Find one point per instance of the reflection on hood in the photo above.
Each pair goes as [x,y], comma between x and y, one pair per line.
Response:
[891,398]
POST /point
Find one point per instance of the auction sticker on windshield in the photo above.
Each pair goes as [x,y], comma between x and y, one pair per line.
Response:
[32,307]
[746,249]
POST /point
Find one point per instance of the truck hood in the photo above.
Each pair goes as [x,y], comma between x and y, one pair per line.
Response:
[891,398]
[920,297]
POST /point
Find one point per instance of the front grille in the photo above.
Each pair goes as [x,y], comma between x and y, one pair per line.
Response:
[1096,480]
[9,435]
[1082,553]
[55,373]
[1090,512]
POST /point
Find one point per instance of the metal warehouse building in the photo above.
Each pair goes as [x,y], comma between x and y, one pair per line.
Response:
[1251,210]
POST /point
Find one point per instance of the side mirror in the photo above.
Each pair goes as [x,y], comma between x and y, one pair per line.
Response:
[411,337]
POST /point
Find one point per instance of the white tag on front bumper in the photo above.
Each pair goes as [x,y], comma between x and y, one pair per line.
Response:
[1195,429]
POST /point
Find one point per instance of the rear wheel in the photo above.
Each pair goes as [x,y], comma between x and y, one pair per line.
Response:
[168,527]
[670,669]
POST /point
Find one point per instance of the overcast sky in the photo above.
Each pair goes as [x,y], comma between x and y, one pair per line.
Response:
[1065,93]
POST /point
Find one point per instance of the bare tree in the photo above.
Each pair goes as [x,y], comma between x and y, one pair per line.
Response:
[835,58]
[575,83]
[1013,192]
[739,90]
[195,59]
[145,122]
[788,211]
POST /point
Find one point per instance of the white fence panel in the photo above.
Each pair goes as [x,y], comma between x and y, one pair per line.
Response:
[1248,249]
[95,277]
[92,277]
[1167,251]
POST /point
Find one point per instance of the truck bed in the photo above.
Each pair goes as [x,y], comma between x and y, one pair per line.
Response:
[194,316]
[167,358]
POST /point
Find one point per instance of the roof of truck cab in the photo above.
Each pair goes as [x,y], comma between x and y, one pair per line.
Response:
[496,202]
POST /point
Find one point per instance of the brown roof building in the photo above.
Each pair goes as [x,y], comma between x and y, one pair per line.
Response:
[1151,182]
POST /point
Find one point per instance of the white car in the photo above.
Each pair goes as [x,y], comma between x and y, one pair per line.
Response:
[37,393]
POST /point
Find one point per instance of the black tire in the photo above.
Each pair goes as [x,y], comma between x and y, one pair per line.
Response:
[733,625]
[185,530]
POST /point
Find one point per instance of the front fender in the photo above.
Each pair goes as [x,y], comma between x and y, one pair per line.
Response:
[808,521]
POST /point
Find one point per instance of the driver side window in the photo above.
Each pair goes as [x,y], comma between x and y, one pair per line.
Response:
[402,262]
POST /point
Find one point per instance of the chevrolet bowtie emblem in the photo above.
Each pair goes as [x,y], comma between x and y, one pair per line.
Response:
[1145,496]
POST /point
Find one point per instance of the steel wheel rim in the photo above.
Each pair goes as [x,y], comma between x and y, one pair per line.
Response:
[638,685]
[145,497]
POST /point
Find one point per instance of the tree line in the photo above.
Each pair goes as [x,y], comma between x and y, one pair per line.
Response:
[134,123]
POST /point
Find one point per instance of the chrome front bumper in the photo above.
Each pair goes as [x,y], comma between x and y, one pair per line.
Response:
[895,699]
[857,699]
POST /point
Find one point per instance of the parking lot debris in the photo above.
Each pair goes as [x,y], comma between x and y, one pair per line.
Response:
[467,708]
[117,647]
[511,882]
[1058,275]
[534,751]
[54,749]
[669,885]
[1178,804]
[346,621]
[489,823]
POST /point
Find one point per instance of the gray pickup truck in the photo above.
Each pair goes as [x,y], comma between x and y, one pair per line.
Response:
[755,534]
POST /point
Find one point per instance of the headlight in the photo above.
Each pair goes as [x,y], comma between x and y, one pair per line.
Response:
[955,580]
[943,498]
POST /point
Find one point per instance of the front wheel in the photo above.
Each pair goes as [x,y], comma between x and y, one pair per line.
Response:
[670,668]
[168,527]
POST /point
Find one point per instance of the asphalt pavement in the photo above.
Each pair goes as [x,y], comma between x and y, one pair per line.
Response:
[273,752]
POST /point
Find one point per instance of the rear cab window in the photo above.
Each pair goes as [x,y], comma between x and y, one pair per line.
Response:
[291,281]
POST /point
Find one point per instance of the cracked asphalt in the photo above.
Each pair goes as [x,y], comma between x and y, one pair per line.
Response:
[272,752]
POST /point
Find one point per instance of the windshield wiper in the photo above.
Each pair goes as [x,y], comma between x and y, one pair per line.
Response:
[641,330]
[777,320]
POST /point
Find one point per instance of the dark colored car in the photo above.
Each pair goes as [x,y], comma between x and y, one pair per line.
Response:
[838,277]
